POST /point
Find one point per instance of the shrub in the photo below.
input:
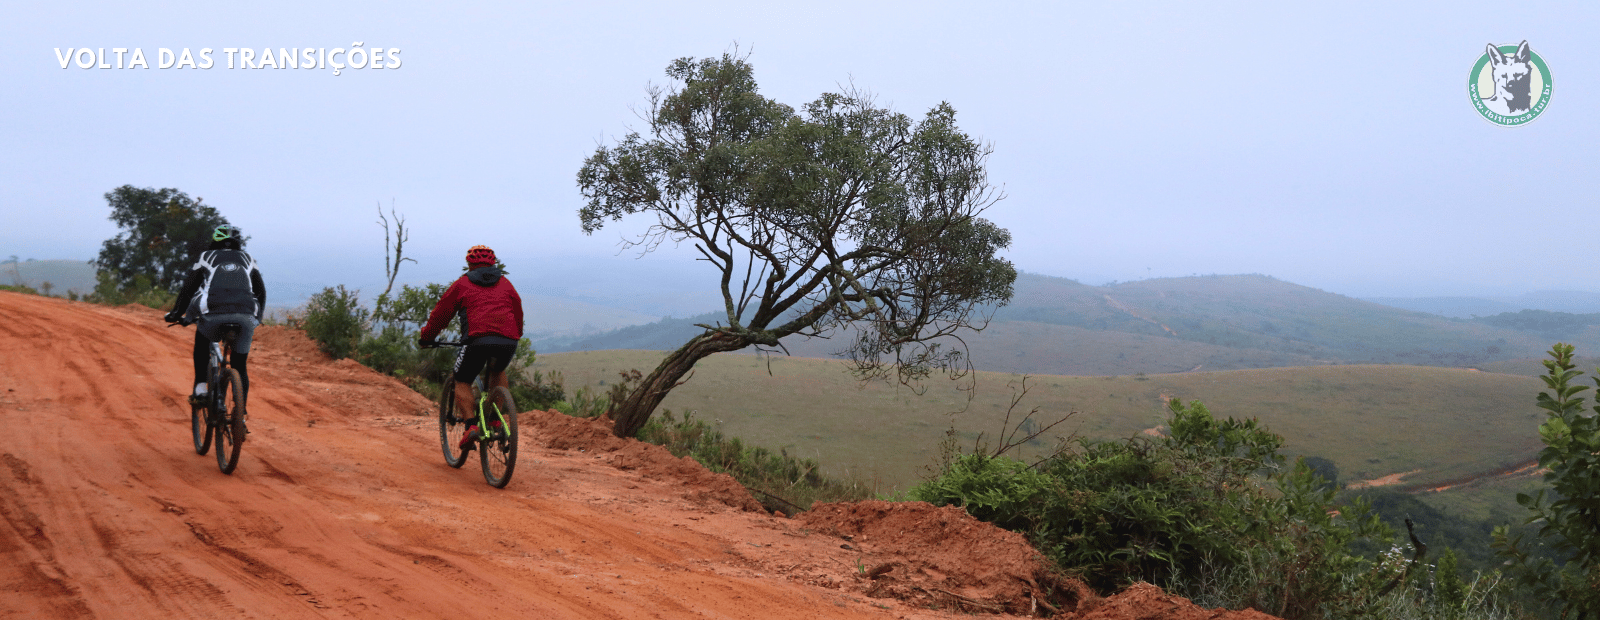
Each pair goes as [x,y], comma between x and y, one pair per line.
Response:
[140,290]
[1562,562]
[533,389]
[1209,499]
[336,321]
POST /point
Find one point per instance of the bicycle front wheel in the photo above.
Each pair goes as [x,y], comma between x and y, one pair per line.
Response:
[200,427]
[451,428]
[229,428]
[498,452]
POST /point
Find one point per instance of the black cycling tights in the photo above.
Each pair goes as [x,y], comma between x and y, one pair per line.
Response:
[202,358]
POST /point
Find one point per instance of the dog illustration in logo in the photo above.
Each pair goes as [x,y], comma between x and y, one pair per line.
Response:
[1511,81]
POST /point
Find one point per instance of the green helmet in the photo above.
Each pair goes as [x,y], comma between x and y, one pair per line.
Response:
[226,232]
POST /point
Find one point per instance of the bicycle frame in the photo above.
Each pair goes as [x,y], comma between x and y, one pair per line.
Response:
[221,350]
[483,424]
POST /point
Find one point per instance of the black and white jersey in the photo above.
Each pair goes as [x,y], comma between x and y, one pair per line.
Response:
[224,282]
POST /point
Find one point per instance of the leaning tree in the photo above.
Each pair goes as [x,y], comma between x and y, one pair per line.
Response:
[842,218]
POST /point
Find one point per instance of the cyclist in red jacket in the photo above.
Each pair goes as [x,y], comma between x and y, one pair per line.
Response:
[491,325]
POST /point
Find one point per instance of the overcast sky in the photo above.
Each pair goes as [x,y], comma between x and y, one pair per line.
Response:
[1332,146]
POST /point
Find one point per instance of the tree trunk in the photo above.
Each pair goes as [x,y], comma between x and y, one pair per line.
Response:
[632,414]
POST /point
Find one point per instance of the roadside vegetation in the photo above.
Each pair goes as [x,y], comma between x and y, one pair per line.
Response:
[1213,512]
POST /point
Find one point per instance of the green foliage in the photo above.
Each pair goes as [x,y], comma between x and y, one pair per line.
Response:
[533,389]
[162,233]
[1442,522]
[140,289]
[1562,561]
[1325,469]
[781,482]
[335,319]
[1448,586]
[1482,598]
[19,288]
[1193,503]
[409,308]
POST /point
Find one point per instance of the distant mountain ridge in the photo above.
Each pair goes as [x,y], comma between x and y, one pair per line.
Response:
[1061,326]
[1576,302]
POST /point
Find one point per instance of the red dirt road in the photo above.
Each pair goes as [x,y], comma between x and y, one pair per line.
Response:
[342,507]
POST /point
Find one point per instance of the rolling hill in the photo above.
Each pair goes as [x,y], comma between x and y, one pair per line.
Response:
[63,275]
[1060,326]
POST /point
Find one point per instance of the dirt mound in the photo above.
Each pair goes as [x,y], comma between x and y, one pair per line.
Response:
[941,557]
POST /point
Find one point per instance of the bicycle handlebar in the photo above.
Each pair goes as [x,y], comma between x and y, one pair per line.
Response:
[445,343]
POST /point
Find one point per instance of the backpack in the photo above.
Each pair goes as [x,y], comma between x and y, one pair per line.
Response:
[226,288]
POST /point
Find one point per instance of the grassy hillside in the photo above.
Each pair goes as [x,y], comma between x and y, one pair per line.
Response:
[1533,367]
[63,275]
[1371,421]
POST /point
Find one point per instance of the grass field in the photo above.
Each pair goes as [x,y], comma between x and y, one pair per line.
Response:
[1370,420]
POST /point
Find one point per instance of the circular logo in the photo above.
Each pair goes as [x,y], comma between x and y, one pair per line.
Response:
[230,267]
[1510,85]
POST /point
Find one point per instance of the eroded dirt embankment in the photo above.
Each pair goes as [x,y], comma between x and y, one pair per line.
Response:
[342,507]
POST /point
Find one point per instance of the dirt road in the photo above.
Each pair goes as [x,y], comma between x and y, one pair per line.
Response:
[341,506]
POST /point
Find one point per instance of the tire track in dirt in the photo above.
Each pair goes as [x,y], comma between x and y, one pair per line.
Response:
[164,581]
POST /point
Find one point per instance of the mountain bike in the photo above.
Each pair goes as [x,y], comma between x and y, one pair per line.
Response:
[219,413]
[497,429]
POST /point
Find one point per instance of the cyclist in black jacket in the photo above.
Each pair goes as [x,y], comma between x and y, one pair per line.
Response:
[224,287]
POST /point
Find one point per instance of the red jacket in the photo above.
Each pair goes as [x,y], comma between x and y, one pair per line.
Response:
[487,303]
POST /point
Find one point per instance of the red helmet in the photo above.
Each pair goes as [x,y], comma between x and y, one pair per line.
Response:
[480,255]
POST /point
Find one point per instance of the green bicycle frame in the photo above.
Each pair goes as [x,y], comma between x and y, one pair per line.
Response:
[483,424]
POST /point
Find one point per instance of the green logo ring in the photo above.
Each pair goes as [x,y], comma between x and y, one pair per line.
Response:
[1534,110]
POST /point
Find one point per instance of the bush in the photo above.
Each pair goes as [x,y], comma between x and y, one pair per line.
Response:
[1562,561]
[533,389]
[336,321]
[140,290]
[1208,500]
[19,288]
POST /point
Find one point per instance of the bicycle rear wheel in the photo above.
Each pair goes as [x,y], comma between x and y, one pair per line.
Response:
[498,453]
[229,429]
[200,427]
[451,428]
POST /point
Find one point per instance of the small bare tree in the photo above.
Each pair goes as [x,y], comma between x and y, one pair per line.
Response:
[391,269]
[1028,429]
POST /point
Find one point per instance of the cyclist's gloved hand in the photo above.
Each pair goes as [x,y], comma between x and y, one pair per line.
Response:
[172,317]
[426,343]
